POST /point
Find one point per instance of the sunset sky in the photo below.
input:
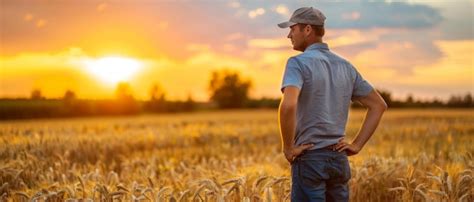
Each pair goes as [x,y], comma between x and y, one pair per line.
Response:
[421,47]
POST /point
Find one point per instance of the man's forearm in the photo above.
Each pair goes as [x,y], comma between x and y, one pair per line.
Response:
[287,123]
[371,122]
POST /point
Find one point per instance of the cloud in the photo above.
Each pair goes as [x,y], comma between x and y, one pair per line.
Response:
[347,37]
[101,7]
[163,25]
[356,14]
[458,23]
[234,36]
[282,10]
[352,16]
[336,38]
[397,49]
[41,23]
[53,73]
[452,74]
[455,67]
[28,17]
[386,40]
[380,14]
[198,47]
[269,43]
[255,13]
[234,4]
[400,56]
[228,47]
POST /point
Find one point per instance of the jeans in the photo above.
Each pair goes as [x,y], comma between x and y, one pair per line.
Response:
[320,175]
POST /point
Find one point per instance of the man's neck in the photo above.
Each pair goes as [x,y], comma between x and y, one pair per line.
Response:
[313,42]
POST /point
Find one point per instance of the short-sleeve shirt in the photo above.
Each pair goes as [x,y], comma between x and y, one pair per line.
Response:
[327,83]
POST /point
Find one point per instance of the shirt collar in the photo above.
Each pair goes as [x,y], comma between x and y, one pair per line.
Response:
[315,46]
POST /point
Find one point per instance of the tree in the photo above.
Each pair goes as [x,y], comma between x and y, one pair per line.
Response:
[157,93]
[228,89]
[410,99]
[123,92]
[189,104]
[455,101]
[69,95]
[125,101]
[460,101]
[69,98]
[157,99]
[36,94]
[467,100]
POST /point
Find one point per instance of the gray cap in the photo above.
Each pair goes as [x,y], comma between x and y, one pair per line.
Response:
[305,15]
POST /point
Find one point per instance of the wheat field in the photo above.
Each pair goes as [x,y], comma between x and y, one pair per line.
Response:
[415,155]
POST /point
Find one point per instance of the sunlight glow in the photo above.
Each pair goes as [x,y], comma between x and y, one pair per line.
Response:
[113,69]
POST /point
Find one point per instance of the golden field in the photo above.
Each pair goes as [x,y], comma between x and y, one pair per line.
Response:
[415,155]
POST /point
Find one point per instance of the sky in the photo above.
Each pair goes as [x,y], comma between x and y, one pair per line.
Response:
[423,48]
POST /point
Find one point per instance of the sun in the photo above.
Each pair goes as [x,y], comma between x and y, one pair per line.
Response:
[113,70]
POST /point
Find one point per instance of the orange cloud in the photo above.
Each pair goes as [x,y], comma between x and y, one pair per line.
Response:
[345,37]
[28,17]
[455,69]
[54,73]
[234,36]
[101,7]
[279,42]
[450,74]
[41,23]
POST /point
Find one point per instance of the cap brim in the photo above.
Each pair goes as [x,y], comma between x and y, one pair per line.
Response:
[286,24]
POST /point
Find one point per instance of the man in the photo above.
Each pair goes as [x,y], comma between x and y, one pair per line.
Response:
[317,88]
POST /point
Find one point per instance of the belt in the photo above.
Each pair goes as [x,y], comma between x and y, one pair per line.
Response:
[330,147]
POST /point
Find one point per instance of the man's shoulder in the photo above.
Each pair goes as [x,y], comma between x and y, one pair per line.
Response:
[298,60]
[333,58]
[326,57]
[339,57]
[321,56]
[305,56]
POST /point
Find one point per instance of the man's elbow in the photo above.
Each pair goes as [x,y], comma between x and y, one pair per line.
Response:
[381,105]
[377,105]
[287,107]
[384,106]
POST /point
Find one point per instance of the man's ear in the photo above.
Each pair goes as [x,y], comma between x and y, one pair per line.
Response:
[307,30]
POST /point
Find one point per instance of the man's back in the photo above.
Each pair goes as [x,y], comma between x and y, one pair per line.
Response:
[317,89]
[327,83]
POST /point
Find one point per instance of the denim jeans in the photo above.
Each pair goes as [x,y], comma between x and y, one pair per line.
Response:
[320,175]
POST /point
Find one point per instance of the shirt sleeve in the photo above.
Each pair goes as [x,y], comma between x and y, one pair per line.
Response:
[293,75]
[361,86]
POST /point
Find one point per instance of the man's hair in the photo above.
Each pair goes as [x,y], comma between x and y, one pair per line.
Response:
[318,30]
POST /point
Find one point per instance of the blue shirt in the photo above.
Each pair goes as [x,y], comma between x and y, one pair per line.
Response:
[327,83]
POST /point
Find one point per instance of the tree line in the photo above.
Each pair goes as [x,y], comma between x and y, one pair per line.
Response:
[227,90]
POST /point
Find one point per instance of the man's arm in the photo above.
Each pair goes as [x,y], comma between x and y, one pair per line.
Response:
[287,123]
[376,107]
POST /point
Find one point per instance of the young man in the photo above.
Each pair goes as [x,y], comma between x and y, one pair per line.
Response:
[317,88]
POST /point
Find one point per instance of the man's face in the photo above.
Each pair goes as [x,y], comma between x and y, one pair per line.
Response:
[297,38]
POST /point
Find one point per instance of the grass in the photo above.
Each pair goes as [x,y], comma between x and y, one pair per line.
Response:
[415,155]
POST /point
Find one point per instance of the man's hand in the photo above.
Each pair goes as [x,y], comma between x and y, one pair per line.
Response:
[292,153]
[351,149]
